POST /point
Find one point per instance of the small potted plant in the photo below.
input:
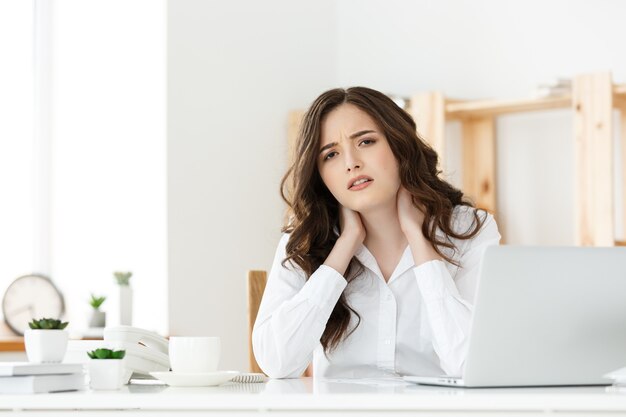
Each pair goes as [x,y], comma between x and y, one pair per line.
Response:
[98,318]
[125,297]
[46,340]
[106,369]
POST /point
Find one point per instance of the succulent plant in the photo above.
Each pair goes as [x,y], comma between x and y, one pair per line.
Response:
[47,324]
[104,353]
[96,302]
[122,278]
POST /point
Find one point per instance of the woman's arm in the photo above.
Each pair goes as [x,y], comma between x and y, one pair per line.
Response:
[294,311]
[411,219]
[352,235]
[449,302]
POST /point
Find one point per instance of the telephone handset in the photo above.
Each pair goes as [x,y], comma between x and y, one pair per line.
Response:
[136,335]
[146,351]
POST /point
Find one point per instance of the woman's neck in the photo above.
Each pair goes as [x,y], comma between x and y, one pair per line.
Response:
[382,228]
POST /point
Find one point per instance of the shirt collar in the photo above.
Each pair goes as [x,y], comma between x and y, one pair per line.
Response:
[406,261]
[367,259]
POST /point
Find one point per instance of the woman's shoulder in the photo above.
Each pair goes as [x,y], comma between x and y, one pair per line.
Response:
[464,218]
[282,242]
[281,255]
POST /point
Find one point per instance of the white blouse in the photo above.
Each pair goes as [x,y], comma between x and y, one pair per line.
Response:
[417,323]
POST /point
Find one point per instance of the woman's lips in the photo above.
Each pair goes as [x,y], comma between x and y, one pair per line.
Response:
[361,186]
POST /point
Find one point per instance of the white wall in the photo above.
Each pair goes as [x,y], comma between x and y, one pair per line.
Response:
[493,49]
[235,69]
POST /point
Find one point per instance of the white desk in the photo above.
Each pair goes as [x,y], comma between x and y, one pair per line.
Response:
[308,396]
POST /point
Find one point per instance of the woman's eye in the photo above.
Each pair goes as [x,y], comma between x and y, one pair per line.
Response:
[367,141]
[330,155]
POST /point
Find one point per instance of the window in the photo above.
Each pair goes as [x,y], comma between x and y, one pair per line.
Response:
[84,192]
[17,147]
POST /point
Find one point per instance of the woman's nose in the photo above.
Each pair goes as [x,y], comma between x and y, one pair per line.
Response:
[352,162]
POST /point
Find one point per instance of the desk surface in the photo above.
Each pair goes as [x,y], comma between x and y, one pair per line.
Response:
[308,394]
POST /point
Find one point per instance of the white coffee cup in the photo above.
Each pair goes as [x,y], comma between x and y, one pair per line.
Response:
[192,354]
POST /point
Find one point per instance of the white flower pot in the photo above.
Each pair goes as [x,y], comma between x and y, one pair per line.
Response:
[106,374]
[126,305]
[98,319]
[45,345]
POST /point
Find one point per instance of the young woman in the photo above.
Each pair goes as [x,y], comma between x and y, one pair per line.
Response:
[376,270]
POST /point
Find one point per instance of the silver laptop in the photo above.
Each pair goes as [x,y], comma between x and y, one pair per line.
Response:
[545,316]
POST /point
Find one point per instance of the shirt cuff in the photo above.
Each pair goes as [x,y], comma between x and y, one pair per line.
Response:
[434,280]
[324,288]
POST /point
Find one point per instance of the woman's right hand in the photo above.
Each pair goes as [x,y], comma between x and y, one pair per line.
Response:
[351,237]
[351,225]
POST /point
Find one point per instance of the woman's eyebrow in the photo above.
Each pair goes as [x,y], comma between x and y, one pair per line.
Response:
[361,133]
[352,136]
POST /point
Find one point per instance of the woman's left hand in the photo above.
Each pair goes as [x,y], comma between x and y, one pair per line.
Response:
[411,218]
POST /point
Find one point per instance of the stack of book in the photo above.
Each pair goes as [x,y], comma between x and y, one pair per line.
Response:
[554,88]
[34,378]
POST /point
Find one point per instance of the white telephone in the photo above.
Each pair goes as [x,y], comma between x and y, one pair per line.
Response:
[146,351]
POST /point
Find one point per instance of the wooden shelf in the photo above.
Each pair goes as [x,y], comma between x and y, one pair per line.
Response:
[620,89]
[619,97]
[458,109]
[490,108]
[16,344]
[12,344]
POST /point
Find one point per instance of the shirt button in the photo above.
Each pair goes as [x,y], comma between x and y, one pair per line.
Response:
[387,341]
[389,296]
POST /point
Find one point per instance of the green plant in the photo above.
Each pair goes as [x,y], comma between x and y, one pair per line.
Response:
[122,278]
[104,353]
[96,302]
[47,324]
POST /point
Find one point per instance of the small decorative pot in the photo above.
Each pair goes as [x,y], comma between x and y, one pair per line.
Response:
[45,345]
[106,374]
[98,318]
[126,305]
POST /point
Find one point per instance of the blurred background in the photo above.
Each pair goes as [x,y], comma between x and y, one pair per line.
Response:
[151,135]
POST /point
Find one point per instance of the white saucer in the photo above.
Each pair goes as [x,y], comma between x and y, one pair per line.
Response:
[196,379]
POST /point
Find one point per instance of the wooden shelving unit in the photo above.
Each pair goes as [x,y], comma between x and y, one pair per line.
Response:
[593,98]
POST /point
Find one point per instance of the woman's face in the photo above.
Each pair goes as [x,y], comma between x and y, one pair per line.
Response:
[355,160]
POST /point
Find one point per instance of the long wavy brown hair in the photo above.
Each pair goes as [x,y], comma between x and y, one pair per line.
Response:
[314,211]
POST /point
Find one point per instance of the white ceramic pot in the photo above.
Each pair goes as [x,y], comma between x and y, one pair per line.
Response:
[98,319]
[45,345]
[106,374]
[126,305]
